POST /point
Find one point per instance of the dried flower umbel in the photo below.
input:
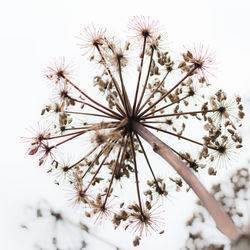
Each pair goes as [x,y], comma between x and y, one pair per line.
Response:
[157,104]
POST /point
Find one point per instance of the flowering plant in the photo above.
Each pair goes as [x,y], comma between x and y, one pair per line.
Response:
[154,102]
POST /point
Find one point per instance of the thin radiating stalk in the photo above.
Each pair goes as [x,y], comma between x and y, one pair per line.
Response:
[176,135]
[222,220]
[104,147]
[179,136]
[153,92]
[85,156]
[69,139]
[147,160]
[147,122]
[113,172]
[123,156]
[60,136]
[95,126]
[181,113]
[140,72]
[168,92]
[166,106]
[146,81]
[90,114]
[94,107]
[125,95]
[100,166]
[91,99]
[181,156]
[136,171]
[90,125]
[110,74]
[117,104]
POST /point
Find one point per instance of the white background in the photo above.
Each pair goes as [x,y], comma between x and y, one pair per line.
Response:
[34,32]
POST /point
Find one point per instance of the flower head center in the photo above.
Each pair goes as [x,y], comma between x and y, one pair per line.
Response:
[222,149]
[145,33]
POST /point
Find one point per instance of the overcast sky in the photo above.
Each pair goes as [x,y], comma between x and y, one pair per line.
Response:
[32,33]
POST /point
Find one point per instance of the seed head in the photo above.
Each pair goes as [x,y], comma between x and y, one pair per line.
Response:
[169,106]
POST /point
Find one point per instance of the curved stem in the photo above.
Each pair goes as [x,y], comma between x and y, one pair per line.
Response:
[222,220]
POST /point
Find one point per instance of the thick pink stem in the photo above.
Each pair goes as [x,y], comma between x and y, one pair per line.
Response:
[222,220]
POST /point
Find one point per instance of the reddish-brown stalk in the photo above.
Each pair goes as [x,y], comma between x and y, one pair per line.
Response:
[127,105]
[101,165]
[60,136]
[103,149]
[168,92]
[140,73]
[176,135]
[181,113]
[84,157]
[91,99]
[122,157]
[136,171]
[166,106]
[108,115]
[147,160]
[113,172]
[111,75]
[89,114]
[146,81]
[69,139]
[153,92]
